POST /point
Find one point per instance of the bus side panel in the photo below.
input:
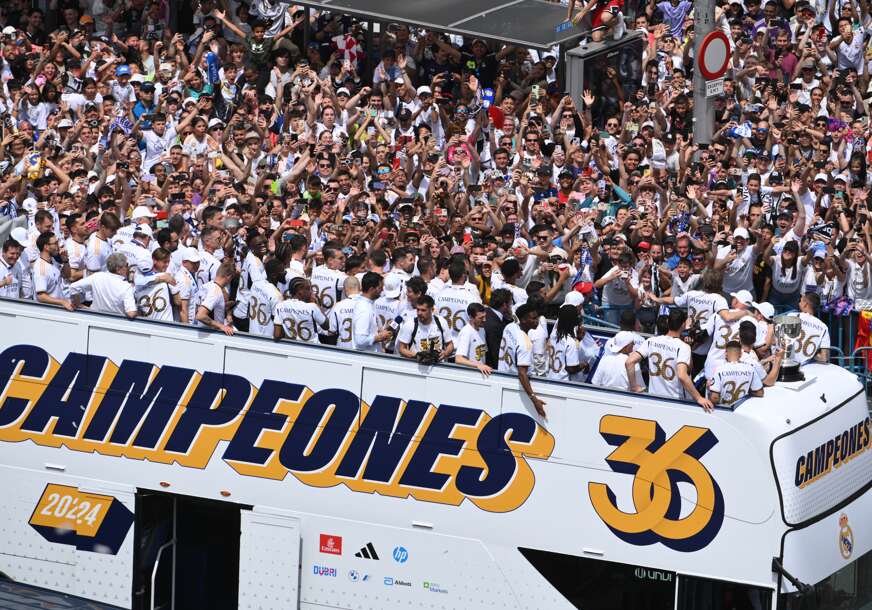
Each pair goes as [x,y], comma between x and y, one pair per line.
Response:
[68,534]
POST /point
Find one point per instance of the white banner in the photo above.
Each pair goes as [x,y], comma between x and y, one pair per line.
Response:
[807,462]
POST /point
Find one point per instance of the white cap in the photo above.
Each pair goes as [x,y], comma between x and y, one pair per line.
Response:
[9,31]
[143,230]
[622,340]
[19,234]
[822,177]
[648,124]
[342,90]
[424,89]
[767,310]
[137,78]
[64,123]
[215,121]
[191,255]
[188,100]
[29,204]
[166,67]
[520,242]
[743,296]
[741,232]
[393,285]
[141,211]
[574,298]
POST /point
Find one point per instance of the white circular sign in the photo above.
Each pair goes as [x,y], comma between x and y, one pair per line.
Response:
[714,55]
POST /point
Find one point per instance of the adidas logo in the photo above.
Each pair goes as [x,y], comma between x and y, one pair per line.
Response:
[367,552]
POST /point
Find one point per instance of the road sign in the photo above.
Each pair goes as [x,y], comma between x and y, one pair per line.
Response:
[714,56]
[714,87]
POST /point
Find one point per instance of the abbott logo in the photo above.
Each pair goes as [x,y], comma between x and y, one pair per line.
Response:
[657,465]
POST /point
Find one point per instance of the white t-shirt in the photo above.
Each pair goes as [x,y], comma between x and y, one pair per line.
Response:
[664,354]
[13,290]
[212,298]
[561,353]
[700,307]
[299,320]
[739,274]
[734,380]
[721,333]
[252,271]
[262,300]
[611,372]
[154,300]
[327,286]
[156,145]
[47,279]
[110,292]
[451,304]
[98,250]
[189,291]
[341,320]
[814,337]
[471,344]
[426,336]
[516,349]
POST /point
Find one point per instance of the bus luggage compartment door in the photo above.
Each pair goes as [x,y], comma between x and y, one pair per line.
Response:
[269,561]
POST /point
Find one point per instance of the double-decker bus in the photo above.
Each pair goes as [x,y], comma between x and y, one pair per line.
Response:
[148,465]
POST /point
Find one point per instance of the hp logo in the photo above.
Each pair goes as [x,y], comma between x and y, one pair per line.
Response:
[400,554]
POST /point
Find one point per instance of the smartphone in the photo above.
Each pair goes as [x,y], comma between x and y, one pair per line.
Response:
[534,93]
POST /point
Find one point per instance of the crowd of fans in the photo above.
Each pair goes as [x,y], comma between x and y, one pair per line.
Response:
[439,197]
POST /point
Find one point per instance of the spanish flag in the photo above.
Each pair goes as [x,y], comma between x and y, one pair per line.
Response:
[864,336]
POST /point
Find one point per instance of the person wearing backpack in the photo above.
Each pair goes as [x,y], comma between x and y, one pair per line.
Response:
[425,337]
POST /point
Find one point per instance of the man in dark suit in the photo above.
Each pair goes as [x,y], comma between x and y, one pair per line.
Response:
[498,316]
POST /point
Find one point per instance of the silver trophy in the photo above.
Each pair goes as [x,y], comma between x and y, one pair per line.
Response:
[788,328]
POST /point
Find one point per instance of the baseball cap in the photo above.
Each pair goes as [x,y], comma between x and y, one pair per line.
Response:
[424,90]
[143,230]
[9,31]
[141,211]
[64,123]
[215,121]
[741,232]
[574,298]
[767,310]
[85,19]
[122,70]
[743,296]
[191,255]
[622,340]
[393,285]
[343,91]
[147,86]
[19,234]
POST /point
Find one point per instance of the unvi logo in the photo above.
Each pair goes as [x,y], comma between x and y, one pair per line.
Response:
[657,465]
[400,554]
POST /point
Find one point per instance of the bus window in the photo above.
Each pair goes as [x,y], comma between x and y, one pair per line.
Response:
[848,589]
[593,584]
[706,594]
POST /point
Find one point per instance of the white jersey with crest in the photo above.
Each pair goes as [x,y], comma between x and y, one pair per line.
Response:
[700,307]
[735,380]
[516,349]
[471,344]
[451,304]
[341,320]
[327,286]
[154,300]
[262,300]
[664,354]
[299,320]
[721,333]
[252,271]
[815,336]
[189,290]
[561,353]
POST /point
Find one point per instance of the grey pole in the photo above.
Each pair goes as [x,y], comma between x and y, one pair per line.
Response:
[703,108]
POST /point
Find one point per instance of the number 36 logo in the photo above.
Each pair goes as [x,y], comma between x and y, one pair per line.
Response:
[658,465]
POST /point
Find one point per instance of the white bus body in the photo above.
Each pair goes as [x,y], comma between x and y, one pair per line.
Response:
[366,481]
